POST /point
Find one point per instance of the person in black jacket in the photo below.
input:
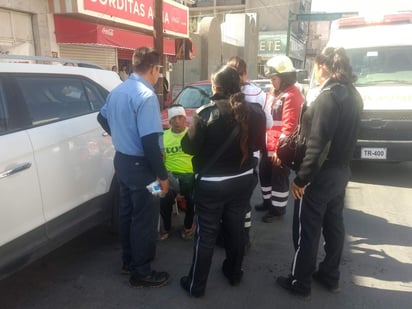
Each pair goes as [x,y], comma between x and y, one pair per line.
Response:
[222,190]
[256,97]
[330,126]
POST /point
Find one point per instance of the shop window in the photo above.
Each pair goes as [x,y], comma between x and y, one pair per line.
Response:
[184,49]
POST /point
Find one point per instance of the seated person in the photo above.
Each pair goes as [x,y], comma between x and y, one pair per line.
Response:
[180,165]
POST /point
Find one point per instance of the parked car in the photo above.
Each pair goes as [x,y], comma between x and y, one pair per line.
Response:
[302,82]
[56,169]
[190,97]
[264,84]
[198,94]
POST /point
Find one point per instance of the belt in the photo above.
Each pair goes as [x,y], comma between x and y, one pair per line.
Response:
[221,178]
[140,159]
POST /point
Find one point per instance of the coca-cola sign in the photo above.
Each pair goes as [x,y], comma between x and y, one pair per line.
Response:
[108,31]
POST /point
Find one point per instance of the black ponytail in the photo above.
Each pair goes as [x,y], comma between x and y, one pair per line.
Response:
[227,83]
[241,114]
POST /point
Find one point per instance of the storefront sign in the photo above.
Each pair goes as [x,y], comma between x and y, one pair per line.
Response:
[139,13]
[273,43]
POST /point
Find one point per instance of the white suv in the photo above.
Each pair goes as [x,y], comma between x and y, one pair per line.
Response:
[56,169]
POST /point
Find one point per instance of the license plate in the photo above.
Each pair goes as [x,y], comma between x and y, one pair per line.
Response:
[373,153]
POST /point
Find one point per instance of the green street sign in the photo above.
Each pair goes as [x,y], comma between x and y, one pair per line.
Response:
[319,16]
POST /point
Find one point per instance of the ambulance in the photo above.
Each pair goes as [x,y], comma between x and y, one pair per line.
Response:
[380,50]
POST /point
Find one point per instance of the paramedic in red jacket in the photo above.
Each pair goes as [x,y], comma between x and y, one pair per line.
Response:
[286,101]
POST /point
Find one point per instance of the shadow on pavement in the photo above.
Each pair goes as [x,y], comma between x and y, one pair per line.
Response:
[85,273]
[382,173]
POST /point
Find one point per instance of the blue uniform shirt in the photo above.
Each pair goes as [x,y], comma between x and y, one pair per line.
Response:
[132,111]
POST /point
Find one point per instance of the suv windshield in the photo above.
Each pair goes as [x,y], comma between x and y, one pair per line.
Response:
[382,65]
[194,96]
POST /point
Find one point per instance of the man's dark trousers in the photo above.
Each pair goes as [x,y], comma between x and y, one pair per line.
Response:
[138,213]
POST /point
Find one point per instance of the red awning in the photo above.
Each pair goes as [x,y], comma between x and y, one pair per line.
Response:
[69,30]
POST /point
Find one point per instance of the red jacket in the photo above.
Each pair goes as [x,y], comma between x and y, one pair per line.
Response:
[288,105]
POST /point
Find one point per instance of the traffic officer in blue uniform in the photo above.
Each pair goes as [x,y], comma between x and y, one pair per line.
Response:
[132,116]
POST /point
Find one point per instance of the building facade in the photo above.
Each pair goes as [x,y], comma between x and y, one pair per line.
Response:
[25,28]
[106,32]
[276,34]
[101,32]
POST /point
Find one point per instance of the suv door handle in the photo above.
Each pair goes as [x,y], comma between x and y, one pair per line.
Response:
[15,170]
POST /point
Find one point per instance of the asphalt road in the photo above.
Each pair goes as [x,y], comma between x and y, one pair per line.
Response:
[376,267]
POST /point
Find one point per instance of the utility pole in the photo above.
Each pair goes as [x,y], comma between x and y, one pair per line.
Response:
[158,45]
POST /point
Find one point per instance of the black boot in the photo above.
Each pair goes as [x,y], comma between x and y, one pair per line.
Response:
[234,279]
[185,284]
[294,286]
[273,214]
[264,206]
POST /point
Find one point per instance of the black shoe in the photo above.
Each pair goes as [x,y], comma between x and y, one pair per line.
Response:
[125,269]
[270,217]
[321,280]
[233,280]
[154,280]
[185,284]
[261,207]
[293,286]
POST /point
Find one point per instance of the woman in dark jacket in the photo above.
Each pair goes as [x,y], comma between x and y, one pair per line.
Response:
[330,126]
[222,191]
